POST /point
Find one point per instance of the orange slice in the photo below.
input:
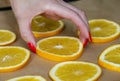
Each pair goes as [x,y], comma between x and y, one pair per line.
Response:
[43,27]
[28,78]
[110,58]
[75,71]
[103,30]
[13,58]
[60,48]
[6,37]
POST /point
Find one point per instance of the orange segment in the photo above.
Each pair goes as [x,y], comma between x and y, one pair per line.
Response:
[6,37]
[28,78]
[59,48]
[43,27]
[13,58]
[103,30]
[75,71]
[110,58]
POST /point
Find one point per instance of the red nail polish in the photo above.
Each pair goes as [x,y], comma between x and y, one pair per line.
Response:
[85,43]
[90,37]
[32,47]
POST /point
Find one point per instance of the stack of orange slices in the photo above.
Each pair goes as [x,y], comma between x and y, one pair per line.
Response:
[103,30]
[43,27]
[60,48]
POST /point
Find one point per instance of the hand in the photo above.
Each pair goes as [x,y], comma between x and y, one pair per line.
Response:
[25,10]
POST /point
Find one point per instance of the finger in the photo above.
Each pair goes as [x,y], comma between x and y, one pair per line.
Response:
[26,34]
[84,40]
[80,13]
[51,16]
[71,15]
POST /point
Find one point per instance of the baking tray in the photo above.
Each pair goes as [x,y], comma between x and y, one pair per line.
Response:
[95,9]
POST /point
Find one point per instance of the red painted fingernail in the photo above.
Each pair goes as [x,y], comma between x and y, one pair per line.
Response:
[32,47]
[85,43]
[90,37]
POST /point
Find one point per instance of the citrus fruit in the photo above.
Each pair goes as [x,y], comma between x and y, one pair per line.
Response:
[59,48]
[110,58]
[75,71]
[28,78]
[103,30]
[43,27]
[13,58]
[6,37]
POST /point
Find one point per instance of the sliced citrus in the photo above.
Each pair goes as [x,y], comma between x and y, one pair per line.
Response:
[6,37]
[28,78]
[110,58]
[75,71]
[103,30]
[60,48]
[43,27]
[13,58]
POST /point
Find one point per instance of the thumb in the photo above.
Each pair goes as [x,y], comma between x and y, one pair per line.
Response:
[26,33]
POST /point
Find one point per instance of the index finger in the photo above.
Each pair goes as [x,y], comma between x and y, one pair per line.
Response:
[75,18]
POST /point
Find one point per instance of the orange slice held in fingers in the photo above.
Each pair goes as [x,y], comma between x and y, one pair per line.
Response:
[103,30]
[43,27]
[110,58]
[13,58]
[59,48]
[28,78]
[6,37]
[75,71]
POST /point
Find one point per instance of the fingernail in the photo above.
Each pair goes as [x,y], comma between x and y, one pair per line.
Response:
[85,43]
[90,37]
[32,47]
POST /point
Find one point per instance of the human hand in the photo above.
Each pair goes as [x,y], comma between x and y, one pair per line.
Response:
[25,10]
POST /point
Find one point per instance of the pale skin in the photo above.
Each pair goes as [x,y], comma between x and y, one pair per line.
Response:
[25,10]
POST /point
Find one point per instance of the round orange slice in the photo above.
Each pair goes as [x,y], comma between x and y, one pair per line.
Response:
[6,37]
[110,58]
[75,71]
[103,30]
[44,27]
[60,48]
[28,78]
[13,58]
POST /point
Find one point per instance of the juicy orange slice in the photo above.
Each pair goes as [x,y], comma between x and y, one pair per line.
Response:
[28,78]
[60,48]
[103,30]
[6,37]
[75,71]
[43,27]
[110,58]
[13,58]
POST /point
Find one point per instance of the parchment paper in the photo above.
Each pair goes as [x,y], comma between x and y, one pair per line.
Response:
[95,9]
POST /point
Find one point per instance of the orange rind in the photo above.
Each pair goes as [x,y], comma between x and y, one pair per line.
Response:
[60,48]
[103,30]
[44,27]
